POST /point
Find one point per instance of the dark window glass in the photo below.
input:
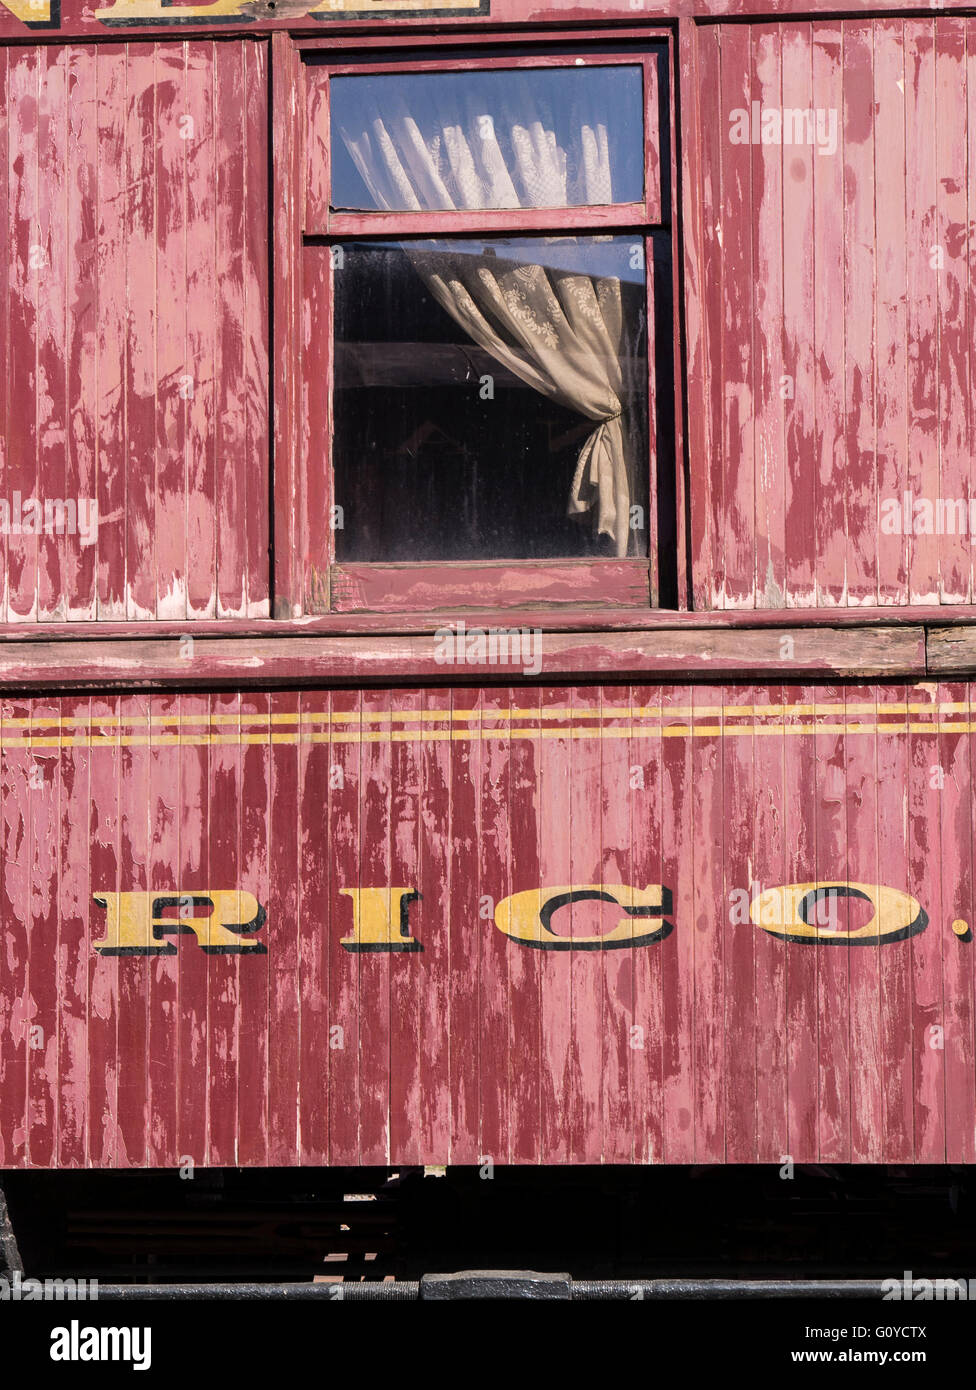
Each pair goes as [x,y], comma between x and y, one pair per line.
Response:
[509,138]
[491,399]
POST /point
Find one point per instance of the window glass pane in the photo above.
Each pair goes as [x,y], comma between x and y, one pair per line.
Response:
[491,399]
[509,138]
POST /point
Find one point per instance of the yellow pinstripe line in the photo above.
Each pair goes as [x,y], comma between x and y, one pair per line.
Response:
[616,732]
[467,716]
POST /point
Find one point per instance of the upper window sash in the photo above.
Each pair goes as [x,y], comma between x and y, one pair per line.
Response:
[322,219]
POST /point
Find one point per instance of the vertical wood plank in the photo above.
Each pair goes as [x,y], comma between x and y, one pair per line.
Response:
[891,310]
[80,578]
[739,317]
[230,239]
[176,378]
[50,401]
[711,592]
[803,1020]
[256,868]
[863,791]
[769,860]
[165,795]
[698,325]
[471,920]
[346,802]
[952,284]
[799,319]
[286,199]
[828,250]
[375,869]
[709,828]
[104,971]
[586,864]
[43,798]
[406,1120]
[139,215]
[5,328]
[432,982]
[284,933]
[111,366]
[134,971]
[194,1059]
[742,1003]
[896,960]
[675,980]
[555,863]
[924,882]
[955,761]
[224,1020]
[922,295]
[833,956]
[856,118]
[25,257]
[767,257]
[257,476]
[496,883]
[314,866]
[203,297]
[619,802]
[14,909]
[74,909]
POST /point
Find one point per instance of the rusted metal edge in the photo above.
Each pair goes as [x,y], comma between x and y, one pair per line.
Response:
[10,1260]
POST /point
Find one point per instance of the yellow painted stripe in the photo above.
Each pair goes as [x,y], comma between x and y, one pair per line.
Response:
[469,716]
[576,732]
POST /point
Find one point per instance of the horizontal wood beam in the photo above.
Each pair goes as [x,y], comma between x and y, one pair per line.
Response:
[558,619]
[951,651]
[677,655]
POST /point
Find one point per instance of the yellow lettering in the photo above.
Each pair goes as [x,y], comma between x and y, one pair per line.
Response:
[135,924]
[154,11]
[380,919]
[526,916]
[33,12]
[811,912]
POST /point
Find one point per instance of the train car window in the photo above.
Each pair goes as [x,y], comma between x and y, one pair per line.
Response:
[491,399]
[538,138]
[488,244]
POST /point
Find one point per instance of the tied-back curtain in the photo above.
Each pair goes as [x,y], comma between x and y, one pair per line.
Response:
[457,155]
[563,333]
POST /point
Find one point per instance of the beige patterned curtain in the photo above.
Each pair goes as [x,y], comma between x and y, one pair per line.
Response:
[563,333]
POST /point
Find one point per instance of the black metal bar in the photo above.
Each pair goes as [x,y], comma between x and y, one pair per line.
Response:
[635,1290]
[262,1293]
[712,1289]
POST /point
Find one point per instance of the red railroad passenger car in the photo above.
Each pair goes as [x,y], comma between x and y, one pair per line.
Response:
[486,583]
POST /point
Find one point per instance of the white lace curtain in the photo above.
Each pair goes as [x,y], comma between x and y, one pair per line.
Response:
[564,333]
[460,155]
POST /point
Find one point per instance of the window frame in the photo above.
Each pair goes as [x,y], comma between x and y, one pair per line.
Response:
[322,221]
[308,579]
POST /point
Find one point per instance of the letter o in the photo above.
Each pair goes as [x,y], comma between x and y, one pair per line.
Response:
[786,912]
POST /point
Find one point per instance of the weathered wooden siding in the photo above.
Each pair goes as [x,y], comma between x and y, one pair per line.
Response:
[720,1042]
[134,328]
[831,349]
